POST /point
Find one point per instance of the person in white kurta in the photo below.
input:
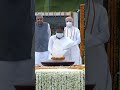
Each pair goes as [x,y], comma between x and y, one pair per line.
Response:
[97,67]
[60,45]
[72,32]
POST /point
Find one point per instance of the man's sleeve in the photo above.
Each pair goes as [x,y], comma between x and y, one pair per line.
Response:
[50,44]
[78,38]
[64,31]
[49,31]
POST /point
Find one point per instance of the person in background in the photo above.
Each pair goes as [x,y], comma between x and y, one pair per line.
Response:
[96,35]
[42,35]
[71,31]
[60,44]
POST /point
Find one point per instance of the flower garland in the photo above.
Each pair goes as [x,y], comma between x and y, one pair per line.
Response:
[59,79]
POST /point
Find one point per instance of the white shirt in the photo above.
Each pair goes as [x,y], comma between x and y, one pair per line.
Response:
[73,33]
[71,54]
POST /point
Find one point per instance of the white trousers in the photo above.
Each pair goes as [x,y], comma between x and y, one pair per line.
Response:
[15,73]
[40,57]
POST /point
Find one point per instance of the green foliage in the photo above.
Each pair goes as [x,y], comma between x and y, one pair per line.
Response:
[57,5]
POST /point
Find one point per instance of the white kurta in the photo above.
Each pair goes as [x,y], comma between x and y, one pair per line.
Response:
[73,33]
[40,57]
[66,47]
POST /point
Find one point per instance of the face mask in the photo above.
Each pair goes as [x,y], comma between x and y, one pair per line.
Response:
[69,24]
[59,35]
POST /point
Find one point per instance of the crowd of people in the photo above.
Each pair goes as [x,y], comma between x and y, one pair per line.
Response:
[96,35]
[66,39]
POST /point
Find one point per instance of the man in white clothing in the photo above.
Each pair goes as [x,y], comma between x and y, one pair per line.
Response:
[71,31]
[60,45]
[42,35]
